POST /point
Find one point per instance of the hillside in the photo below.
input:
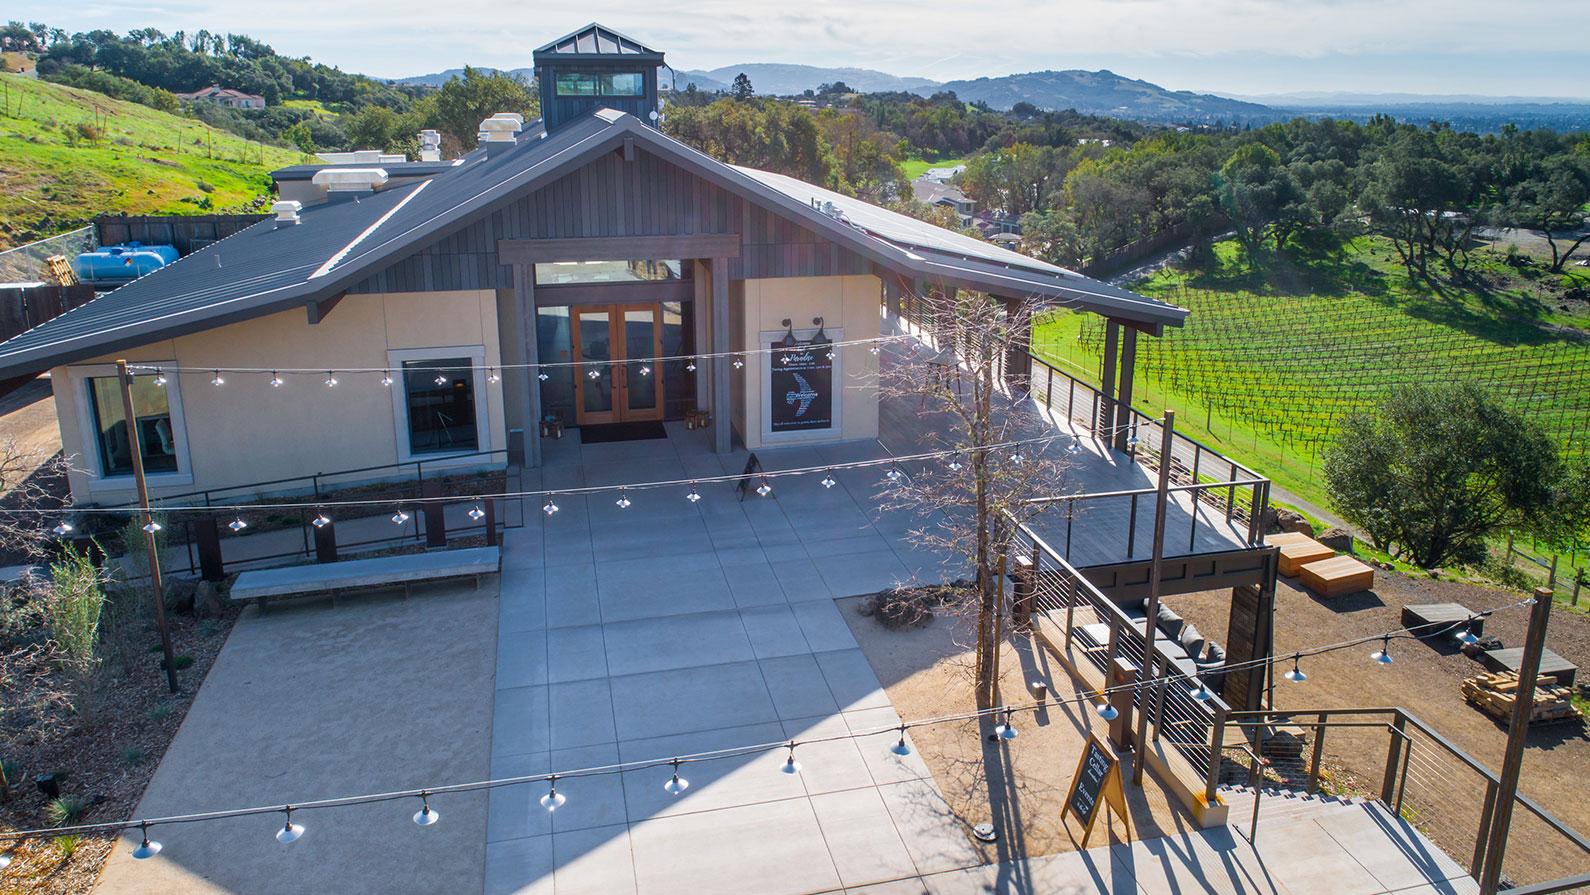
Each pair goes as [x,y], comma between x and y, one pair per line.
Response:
[71,154]
[437,79]
[778,79]
[1104,93]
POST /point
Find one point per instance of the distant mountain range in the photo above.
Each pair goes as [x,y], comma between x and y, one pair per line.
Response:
[1109,94]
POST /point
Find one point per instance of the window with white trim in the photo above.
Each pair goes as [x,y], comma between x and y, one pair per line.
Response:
[439,400]
[106,442]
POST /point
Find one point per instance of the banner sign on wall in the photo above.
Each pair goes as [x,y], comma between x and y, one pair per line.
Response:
[801,392]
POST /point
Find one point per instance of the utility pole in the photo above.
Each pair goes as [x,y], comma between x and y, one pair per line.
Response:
[136,445]
[1161,499]
[1517,736]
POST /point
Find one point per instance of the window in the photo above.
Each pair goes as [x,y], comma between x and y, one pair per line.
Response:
[560,273]
[113,443]
[439,396]
[620,84]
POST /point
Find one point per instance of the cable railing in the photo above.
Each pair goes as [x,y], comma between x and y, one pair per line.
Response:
[1392,757]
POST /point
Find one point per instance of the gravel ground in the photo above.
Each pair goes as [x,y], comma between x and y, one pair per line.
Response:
[1425,678]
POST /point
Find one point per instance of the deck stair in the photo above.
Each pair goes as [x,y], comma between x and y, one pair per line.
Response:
[1284,806]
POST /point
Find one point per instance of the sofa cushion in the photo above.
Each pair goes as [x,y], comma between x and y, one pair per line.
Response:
[1170,624]
[1217,653]
[1192,642]
[1135,608]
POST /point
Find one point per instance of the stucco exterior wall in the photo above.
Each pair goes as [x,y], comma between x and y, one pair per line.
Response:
[850,303]
[247,431]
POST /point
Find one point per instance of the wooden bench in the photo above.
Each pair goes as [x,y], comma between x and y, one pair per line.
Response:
[1337,575]
[377,571]
[1450,619]
[1551,664]
[1296,555]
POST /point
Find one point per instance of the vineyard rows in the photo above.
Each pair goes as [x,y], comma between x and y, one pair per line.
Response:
[1293,368]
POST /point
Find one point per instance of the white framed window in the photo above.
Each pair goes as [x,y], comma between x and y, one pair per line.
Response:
[106,448]
[439,402]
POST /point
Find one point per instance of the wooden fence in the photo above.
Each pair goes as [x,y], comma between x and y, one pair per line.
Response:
[23,309]
[188,233]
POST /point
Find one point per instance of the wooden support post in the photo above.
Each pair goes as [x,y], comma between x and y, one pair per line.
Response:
[1122,677]
[1023,592]
[207,537]
[156,586]
[722,411]
[489,505]
[434,513]
[1517,739]
[326,542]
[1105,403]
[1123,404]
[1155,570]
[524,295]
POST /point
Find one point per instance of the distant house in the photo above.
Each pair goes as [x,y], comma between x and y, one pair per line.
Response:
[942,175]
[945,196]
[994,223]
[226,96]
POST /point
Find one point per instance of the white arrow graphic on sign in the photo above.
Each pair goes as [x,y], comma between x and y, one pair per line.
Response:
[806,395]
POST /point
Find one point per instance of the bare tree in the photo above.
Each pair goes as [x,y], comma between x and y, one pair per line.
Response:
[971,504]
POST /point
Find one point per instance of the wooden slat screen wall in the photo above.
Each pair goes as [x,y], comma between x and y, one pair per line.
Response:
[187,233]
[613,198]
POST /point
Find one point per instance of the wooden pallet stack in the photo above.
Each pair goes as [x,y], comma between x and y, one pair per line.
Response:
[1496,694]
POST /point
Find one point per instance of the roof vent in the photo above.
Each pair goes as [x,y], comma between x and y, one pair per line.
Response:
[286,211]
[350,180]
[430,146]
[500,131]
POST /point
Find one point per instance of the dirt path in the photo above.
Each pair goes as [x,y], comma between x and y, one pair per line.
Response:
[1425,678]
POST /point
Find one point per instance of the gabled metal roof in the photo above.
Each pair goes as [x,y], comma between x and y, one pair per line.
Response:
[271,267]
[595,41]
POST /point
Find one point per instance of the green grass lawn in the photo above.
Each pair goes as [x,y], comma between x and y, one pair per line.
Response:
[915,167]
[1269,363]
[135,160]
[316,106]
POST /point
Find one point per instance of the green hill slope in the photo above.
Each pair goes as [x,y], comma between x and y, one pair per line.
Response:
[68,154]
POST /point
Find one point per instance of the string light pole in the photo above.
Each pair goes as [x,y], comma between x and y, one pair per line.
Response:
[1155,569]
[1506,791]
[135,444]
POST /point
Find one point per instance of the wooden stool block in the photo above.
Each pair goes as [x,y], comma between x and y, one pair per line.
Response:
[1284,538]
[1336,576]
[1295,556]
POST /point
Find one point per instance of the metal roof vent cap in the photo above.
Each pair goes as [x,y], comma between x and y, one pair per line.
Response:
[515,117]
[350,180]
[499,133]
[286,211]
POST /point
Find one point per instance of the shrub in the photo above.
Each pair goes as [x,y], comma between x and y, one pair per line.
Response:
[67,844]
[204,187]
[72,609]
[182,662]
[159,711]
[65,810]
[134,754]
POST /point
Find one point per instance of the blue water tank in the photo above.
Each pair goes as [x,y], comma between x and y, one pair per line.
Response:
[121,263]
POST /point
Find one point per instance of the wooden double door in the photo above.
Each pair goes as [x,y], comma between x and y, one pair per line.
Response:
[625,384]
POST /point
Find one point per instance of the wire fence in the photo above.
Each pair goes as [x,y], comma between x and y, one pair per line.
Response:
[25,263]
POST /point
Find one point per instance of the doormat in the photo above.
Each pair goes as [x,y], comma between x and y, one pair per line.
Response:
[634,431]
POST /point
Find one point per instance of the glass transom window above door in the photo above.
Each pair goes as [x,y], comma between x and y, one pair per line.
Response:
[615,347]
[439,397]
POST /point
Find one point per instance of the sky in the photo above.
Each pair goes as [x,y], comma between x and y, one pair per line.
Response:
[1252,47]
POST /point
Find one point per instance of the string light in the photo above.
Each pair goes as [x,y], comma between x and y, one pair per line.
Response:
[955,464]
[543,376]
[893,474]
[322,520]
[901,748]
[425,816]
[738,363]
[645,370]
[217,381]
[677,784]
[400,517]
[492,377]
[331,380]
[791,766]
[623,499]
[1016,458]
[828,479]
[764,489]
[595,375]
[152,526]
[553,800]
[1202,693]
[690,366]
[276,379]
[1075,447]
[694,495]
[476,513]
[1383,655]
[146,849]
[63,529]
[1296,675]
[386,378]
[551,505]
[874,349]
[289,831]
[237,524]
[1006,730]
[160,377]
[441,379]
[1106,711]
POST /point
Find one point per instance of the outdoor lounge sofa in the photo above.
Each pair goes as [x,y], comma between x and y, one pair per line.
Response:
[1179,643]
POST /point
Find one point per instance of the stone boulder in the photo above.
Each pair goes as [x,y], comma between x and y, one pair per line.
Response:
[1282,519]
[1338,539]
[207,602]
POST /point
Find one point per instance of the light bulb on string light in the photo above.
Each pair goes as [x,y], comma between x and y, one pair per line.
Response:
[152,526]
[289,831]
[276,379]
[492,377]
[5,860]
[594,374]
[160,377]
[148,848]
[425,816]
[216,380]
[1202,693]
[400,517]
[1383,655]
[63,529]
[901,748]
[830,354]
[1006,729]
[237,524]
[623,500]
[694,495]
[1075,447]
[690,365]
[1296,675]
[543,376]
[790,765]
[785,359]
[828,479]
[874,349]
[1016,458]
[893,474]
[321,520]
[386,378]
[677,784]
[553,800]
[551,505]
[955,463]
[764,489]
[645,370]
[476,513]
[1106,711]
[441,379]
[1467,637]
[331,380]
[738,363]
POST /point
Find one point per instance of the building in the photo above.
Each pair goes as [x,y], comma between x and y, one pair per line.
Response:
[584,267]
[940,194]
[942,175]
[225,96]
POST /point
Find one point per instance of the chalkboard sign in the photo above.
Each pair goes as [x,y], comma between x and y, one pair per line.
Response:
[752,466]
[801,388]
[1097,781]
